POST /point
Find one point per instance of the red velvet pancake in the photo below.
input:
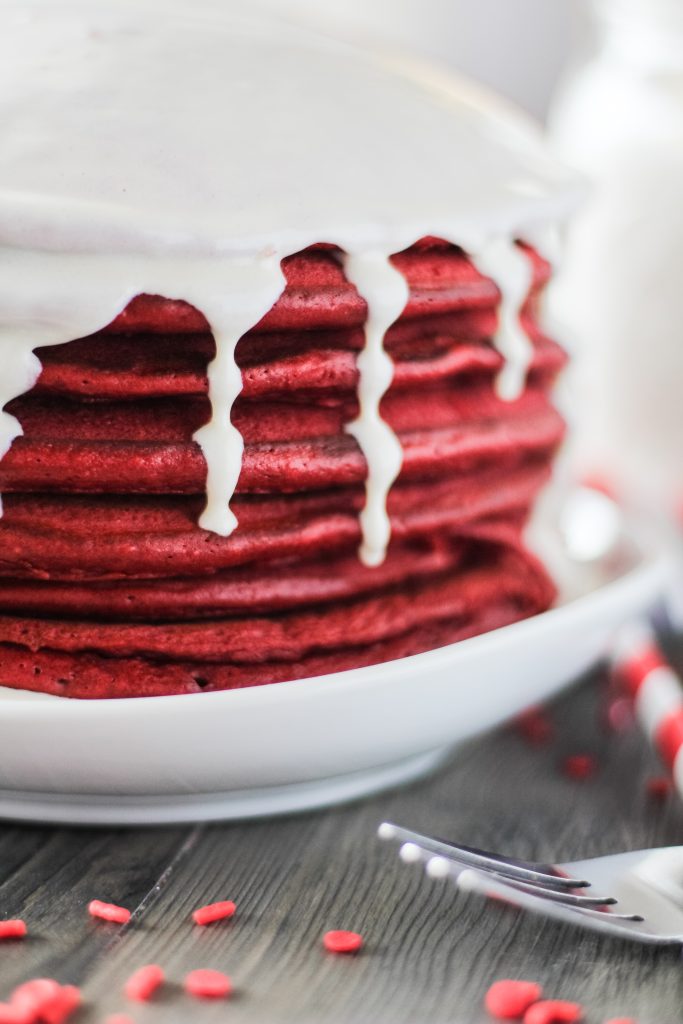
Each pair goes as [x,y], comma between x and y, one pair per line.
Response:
[110,588]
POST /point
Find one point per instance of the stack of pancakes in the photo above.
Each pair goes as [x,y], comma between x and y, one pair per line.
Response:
[111,589]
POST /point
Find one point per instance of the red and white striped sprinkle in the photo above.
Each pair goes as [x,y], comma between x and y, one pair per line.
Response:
[144,982]
[212,912]
[668,736]
[13,929]
[643,672]
[342,942]
[631,672]
[509,1000]
[553,1011]
[208,984]
[108,912]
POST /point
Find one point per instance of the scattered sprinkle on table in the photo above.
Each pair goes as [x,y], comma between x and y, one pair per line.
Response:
[579,766]
[144,982]
[33,996]
[207,984]
[509,1000]
[119,1018]
[342,942]
[214,912]
[622,1020]
[66,1002]
[618,714]
[108,912]
[535,726]
[11,1015]
[553,1011]
[15,929]
[659,788]
[41,1000]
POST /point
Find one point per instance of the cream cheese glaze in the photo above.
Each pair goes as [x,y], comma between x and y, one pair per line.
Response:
[184,151]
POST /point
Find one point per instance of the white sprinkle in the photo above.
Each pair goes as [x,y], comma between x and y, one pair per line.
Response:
[410,853]
[438,867]
[469,881]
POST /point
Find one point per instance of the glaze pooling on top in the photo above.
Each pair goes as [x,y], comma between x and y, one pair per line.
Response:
[205,146]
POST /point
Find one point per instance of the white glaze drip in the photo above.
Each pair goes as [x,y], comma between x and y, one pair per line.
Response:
[46,320]
[386,293]
[20,371]
[232,293]
[510,268]
[229,142]
[220,441]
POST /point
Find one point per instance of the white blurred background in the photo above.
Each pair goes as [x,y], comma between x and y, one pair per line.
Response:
[606,76]
[516,46]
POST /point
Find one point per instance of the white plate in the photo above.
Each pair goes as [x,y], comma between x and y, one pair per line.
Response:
[309,743]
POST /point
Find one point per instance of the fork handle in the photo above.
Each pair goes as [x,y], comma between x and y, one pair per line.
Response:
[642,670]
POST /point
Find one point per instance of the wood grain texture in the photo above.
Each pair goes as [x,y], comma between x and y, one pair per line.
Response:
[430,952]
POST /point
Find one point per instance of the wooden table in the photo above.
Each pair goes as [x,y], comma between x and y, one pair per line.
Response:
[430,952]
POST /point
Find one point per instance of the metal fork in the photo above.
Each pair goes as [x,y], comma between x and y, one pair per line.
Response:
[647,885]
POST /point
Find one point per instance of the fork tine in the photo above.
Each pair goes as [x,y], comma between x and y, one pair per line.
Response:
[530,897]
[478,858]
[412,853]
[569,899]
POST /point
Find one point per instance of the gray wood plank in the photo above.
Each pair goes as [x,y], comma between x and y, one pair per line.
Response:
[48,876]
[430,953]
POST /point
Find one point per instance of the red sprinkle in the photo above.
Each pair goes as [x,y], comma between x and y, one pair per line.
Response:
[119,1018]
[622,1020]
[206,984]
[658,788]
[618,715]
[553,1011]
[14,1015]
[509,1000]
[579,766]
[144,982]
[535,726]
[13,929]
[66,1002]
[214,912]
[44,1000]
[108,912]
[35,995]
[342,942]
